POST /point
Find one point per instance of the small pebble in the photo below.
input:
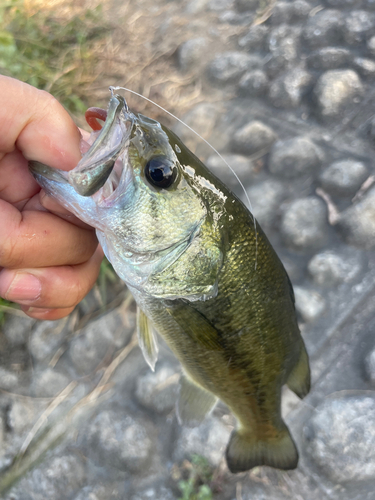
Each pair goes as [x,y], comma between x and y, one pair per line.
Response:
[230,66]
[253,83]
[287,90]
[344,177]
[254,137]
[8,379]
[304,224]
[329,268]
[156,493]
[17,330]
[309,304]
[46,339]
[283,44]
[359,26]
[364,66]
[344,3]
[357,223]
[294,157]
[244,5]
[324,28]
[336,90]
[243,167]
[48,383]
[255,39]
[340,437]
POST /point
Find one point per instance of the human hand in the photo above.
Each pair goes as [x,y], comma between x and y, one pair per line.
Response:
[49,260]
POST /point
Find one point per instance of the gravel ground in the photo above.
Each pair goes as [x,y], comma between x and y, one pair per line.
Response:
[295,118]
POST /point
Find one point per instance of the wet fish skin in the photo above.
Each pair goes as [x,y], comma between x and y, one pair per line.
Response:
[205,275]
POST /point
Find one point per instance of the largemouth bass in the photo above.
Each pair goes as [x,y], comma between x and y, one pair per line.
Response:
[203,274]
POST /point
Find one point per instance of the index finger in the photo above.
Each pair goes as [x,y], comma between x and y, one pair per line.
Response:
[37,124]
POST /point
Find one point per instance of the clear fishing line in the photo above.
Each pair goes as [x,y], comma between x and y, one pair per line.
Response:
[113,89]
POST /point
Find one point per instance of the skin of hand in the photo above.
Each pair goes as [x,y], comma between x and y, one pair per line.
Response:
[49,260]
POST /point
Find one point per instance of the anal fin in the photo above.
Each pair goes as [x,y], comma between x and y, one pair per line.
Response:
[194,403]
[146,339]
[299,379]
[245,451]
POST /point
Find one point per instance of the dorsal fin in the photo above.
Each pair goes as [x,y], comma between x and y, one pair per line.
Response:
[146,339]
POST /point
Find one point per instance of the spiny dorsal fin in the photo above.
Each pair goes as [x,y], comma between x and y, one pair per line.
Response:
[194,403]
[146,339]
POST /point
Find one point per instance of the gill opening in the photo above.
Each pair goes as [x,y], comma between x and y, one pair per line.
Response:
[113,89]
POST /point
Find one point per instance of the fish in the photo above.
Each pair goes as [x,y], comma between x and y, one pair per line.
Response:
[203,275]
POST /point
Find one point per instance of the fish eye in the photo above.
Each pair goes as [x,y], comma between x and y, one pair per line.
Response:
[160,172]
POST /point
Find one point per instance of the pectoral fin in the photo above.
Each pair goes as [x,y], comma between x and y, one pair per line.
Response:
[194,403]
[146,339]
[196,326]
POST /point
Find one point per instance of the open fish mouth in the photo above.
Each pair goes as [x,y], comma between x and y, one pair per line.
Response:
[103,168]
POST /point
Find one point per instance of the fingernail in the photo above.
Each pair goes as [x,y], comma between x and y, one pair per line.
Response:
[21,287]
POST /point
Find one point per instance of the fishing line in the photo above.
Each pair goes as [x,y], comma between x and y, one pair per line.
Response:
[112,89]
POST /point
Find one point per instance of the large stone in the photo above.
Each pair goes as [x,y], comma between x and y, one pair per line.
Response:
[324,28]
[337,90]
[116,439]
[46,339]
[359,26]
[255,39]
[265,198]
[48,383]
[304,224]
[191,53]
[244,168]
[289,12]
[309,304]
[294,157]
[253,83]
[340,437]
[17,330]
[329,268]
[230,66]
[344,177]
[364,66]
[283,44]
[357,223]
[254,137]
[287,90]
[157,391]
[208,440]
[154,493]
[328,58]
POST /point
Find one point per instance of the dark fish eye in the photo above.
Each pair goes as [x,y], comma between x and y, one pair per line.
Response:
[160,172]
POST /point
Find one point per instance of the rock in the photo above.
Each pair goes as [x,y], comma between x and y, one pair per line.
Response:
[365,67]
[287,12]
[208,440]
[336,90]
[59,478]
[309,304]
[23,413]
[252,138]
[357,223]
[48,383]
[371,44]
[219,5]
[253,83]
[109,491]
[202,118]
[154,493]
[89,347]
[287,90]
[265,198]
[252,490]
[329,268]
[344,177]
[329,58]
[232,17]
[343,3]
[230,66]
[244,5]
[17,330]
[244,168]
[340,437]
[359,26]
[304,224]
[255,39]
[157,391]
[8,379]
[292,158]
[46,338]
[191,53]
[115,439]
[324,28]
[370,366]
[283,43]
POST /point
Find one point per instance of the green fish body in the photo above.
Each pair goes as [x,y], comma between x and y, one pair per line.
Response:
[203,274]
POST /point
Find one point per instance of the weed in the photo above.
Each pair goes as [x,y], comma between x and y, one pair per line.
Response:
[196,486]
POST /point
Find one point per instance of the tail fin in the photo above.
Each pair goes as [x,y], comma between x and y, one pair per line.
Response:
[246,451]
